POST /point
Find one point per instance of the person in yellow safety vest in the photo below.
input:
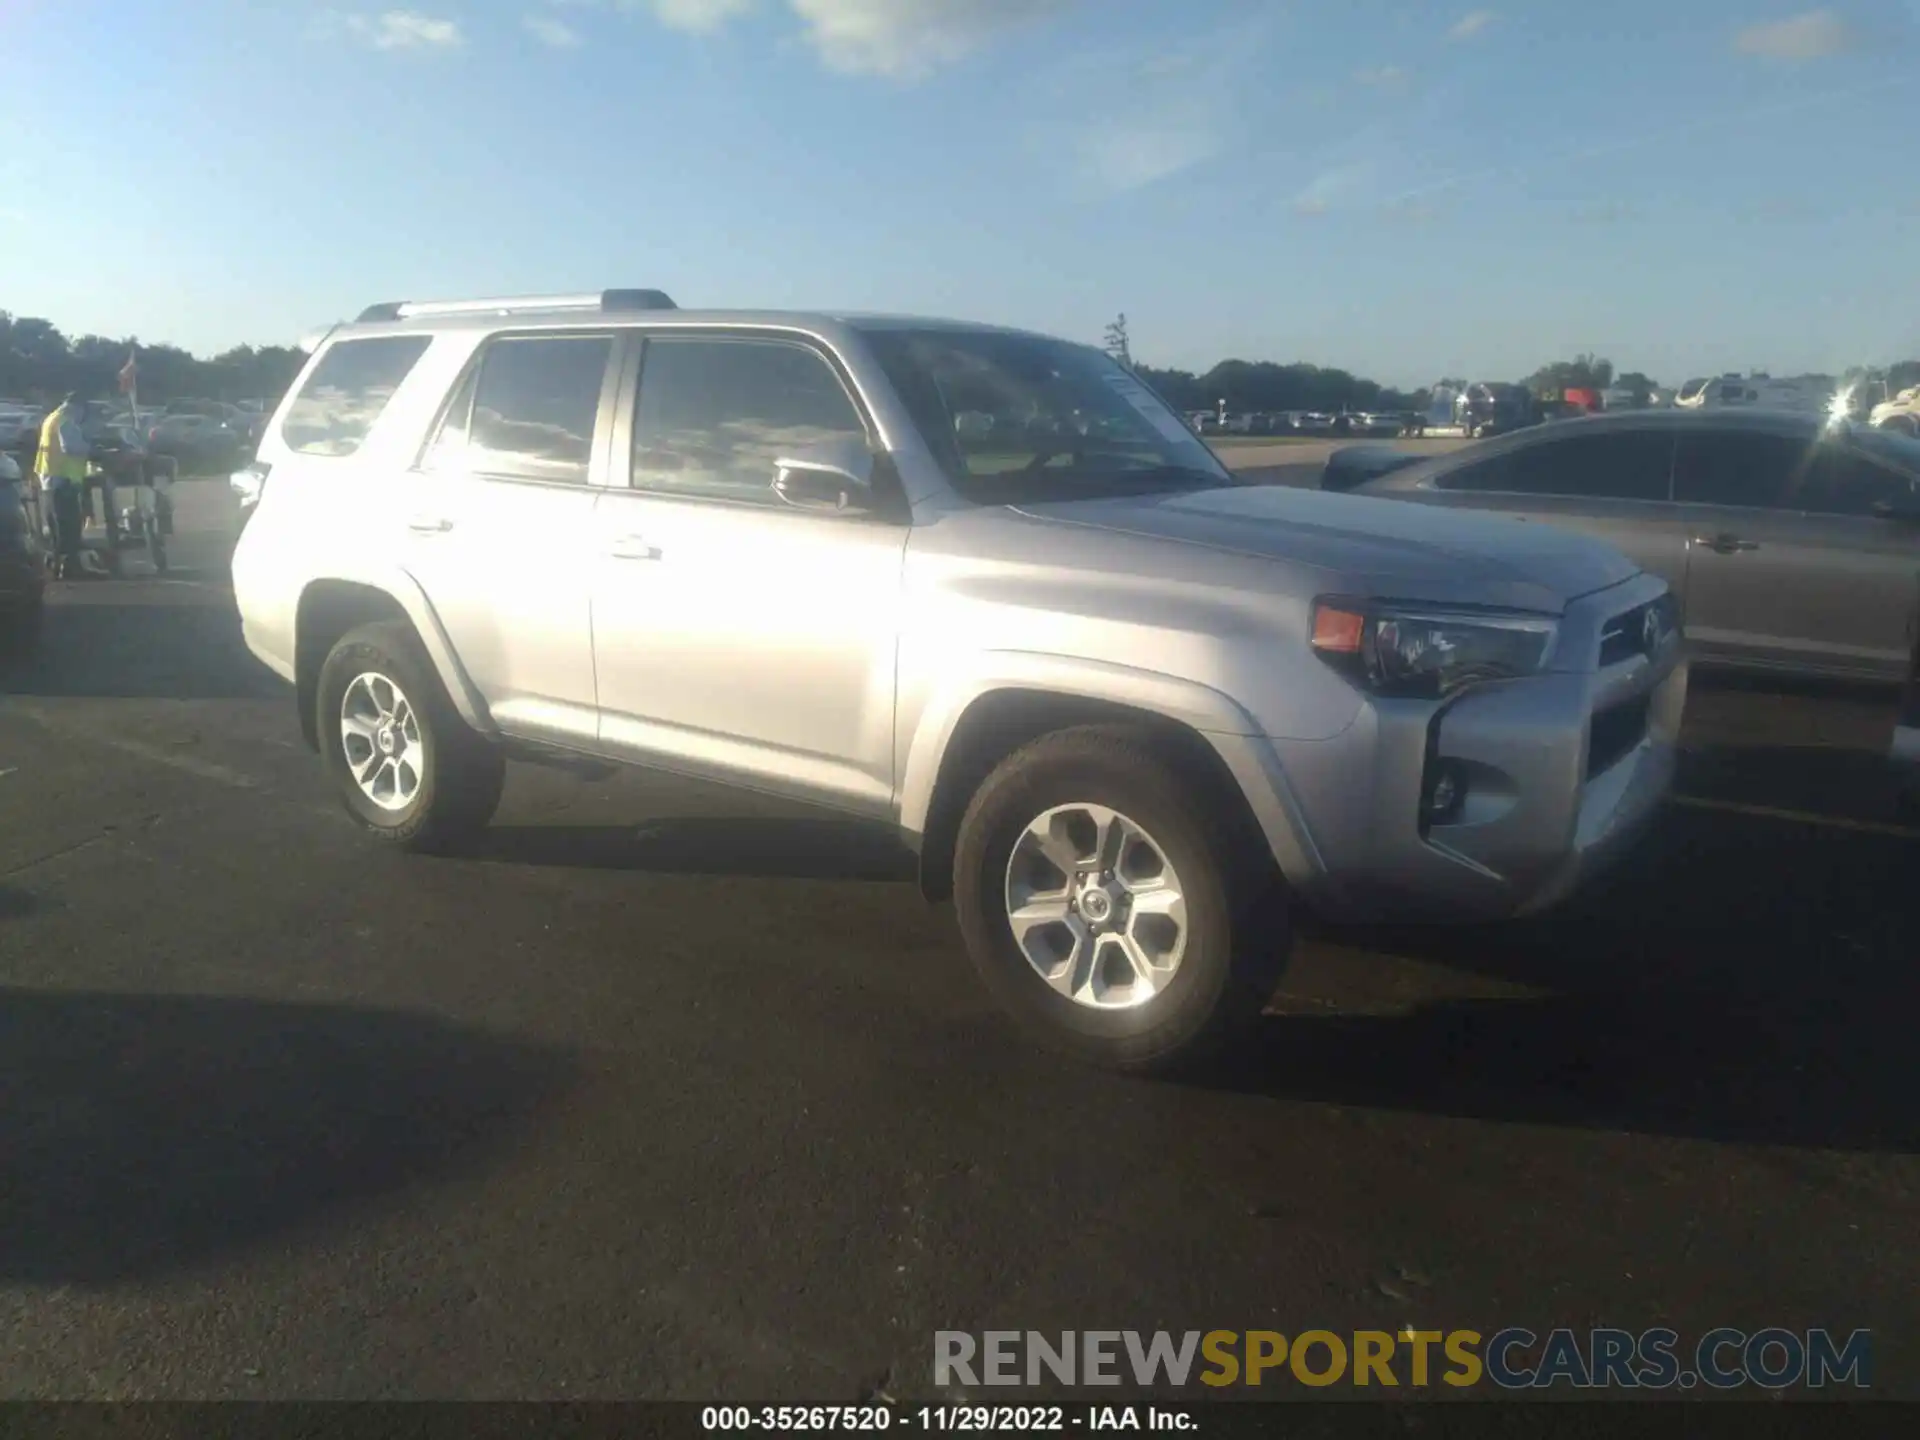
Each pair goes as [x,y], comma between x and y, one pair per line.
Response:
[62,467]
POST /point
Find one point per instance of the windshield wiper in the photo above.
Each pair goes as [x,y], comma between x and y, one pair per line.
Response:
[1193,475]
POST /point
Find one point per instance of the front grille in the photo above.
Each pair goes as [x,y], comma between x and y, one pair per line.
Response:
[1625,635]
[1614,733]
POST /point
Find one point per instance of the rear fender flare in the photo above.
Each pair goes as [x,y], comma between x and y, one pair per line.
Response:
[406,593]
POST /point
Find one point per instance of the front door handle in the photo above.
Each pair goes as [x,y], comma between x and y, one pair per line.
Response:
[633,547]
[1725,544]
[429,525]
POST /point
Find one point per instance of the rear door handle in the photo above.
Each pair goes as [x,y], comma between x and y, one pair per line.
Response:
[429,525]
[1725,544]
[633,547]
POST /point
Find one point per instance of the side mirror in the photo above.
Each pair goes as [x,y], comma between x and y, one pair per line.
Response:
[836,476]
[1902,509]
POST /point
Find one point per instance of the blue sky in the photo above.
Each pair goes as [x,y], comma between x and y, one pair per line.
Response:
[1407,188]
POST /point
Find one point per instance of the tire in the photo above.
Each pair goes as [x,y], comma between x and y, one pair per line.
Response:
[457,775]
[1237,937]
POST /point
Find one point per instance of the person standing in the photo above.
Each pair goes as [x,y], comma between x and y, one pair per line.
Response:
[62,467]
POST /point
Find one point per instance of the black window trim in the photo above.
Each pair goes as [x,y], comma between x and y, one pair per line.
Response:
[892,507]
[1709,432]
[466,386]
[320,358]
[1525,442]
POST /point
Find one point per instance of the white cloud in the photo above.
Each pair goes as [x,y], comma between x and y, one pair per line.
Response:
[1809,36]
[899,39]
[549,31]
[403,30]
[1130,155]
[1606,212]
[1336,185]
[1470,24]
[696,17]
[1383,77]
[1131,119]
[904,39]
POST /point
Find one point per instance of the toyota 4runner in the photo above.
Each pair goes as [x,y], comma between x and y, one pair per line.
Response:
[978,585]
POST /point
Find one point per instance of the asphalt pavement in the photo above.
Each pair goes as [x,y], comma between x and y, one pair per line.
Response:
[669,1092]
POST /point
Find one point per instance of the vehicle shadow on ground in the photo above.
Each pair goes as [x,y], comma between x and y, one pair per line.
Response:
[98,649]
[144,1132]
[1848,785]
[765,848]
[1741,980]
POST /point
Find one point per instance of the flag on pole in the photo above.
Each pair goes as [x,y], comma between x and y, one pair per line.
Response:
[129,373]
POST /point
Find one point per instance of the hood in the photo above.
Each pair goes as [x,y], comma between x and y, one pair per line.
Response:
[1377,548]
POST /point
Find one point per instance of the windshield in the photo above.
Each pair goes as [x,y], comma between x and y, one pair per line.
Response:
[1016,418]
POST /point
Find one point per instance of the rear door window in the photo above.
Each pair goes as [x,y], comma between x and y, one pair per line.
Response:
[1602,467]
[348,392]
[1752,471]
[528,410]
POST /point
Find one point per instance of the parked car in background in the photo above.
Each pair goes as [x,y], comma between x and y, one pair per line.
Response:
[23,567]
[1901,413]
[20,432]
[1759,392]
[1313,422]
[199,443]
[773,555]
[1377,421]
[1793,544]
[1492,408]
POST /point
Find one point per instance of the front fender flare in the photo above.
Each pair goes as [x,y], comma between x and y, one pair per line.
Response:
[1216,717]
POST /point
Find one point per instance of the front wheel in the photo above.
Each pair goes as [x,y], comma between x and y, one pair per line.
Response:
[407,766]
[1114,906]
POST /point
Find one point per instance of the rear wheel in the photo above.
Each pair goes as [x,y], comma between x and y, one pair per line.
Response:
[407,766]
[1113,906]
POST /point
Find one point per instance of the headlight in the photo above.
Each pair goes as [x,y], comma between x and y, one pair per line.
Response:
[1428,654]
[248,483]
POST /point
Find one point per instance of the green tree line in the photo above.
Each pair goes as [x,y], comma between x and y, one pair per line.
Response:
[39,362]
[1263,385]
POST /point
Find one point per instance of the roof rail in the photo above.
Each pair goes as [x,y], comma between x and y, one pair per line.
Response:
[604,300]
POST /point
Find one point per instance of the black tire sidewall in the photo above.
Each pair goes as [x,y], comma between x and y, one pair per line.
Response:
[373,649]
[1046,777]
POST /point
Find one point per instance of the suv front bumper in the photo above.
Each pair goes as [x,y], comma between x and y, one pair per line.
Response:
[1559,774]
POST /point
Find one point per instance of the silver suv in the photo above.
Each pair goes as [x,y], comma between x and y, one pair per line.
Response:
[978,585]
